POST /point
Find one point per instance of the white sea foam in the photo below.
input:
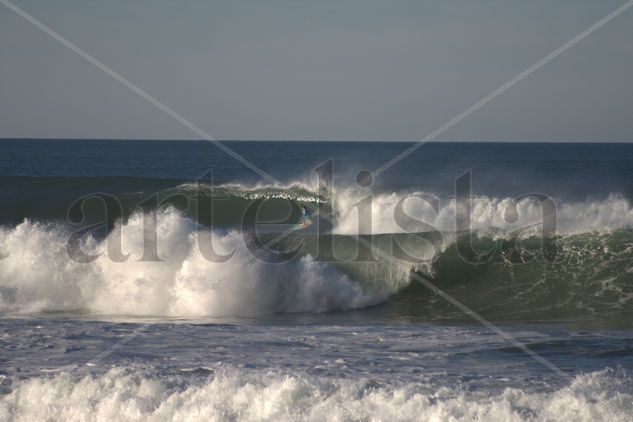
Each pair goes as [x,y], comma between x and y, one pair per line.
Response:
[487,214]
[126,395]
[37,274]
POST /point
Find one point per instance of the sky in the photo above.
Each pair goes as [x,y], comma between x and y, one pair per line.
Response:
[318,70]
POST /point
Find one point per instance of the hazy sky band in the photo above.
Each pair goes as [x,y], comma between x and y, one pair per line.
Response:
[351,70]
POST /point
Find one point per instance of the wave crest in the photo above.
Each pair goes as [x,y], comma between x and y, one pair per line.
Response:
[488,215]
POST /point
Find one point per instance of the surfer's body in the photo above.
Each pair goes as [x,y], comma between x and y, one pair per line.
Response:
[306,218]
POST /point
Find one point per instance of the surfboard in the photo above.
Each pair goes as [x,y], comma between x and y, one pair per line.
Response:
[303,225]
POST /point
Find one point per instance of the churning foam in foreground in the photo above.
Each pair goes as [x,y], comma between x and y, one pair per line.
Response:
[124,395]
[505,214]
[36,275]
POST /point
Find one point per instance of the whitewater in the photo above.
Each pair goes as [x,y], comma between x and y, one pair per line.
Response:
[222,314]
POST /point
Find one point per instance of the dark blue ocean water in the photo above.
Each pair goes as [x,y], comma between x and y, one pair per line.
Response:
[498,169]
[187,338]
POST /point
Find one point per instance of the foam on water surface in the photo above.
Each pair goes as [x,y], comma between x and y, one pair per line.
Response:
[127,395]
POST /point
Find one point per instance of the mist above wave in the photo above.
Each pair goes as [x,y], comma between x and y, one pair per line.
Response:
[503,215]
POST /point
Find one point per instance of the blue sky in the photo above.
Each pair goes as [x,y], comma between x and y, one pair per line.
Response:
[335,70]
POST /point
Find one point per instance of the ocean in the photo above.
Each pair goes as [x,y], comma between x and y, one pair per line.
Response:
[166,280]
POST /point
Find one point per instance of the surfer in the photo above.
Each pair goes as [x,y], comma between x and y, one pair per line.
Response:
[305,217]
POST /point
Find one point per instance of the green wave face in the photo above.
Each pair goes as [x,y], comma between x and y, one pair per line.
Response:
[585,278]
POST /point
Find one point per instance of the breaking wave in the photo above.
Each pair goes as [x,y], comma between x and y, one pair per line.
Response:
[503,269]
[37,275]
[588,275]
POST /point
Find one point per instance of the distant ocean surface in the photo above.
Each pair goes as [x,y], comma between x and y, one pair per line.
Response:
[232,306]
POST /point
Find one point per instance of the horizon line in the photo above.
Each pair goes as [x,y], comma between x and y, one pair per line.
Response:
[455,141]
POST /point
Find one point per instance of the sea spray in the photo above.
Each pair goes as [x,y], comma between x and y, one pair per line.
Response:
[37,275]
